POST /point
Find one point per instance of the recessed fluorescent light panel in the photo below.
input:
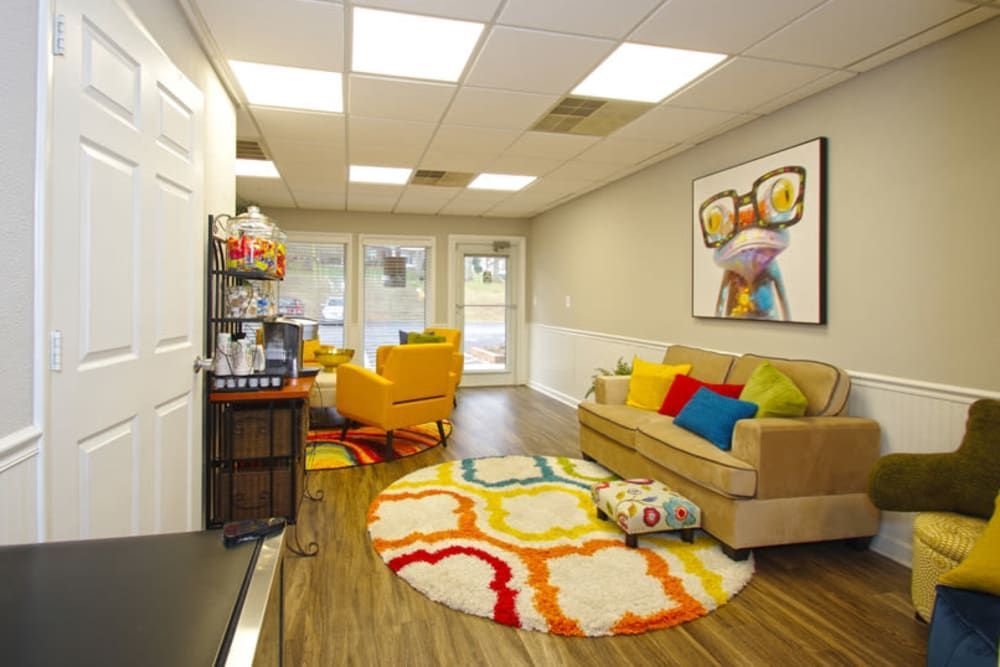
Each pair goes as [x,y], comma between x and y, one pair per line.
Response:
[256,168]
[418,47]
[381,175]
[645,73]
[289,87]
[500,182]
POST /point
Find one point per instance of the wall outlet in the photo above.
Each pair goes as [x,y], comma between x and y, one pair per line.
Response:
[569,301]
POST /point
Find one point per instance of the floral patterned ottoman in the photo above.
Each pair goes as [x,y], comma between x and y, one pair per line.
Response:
[645,506]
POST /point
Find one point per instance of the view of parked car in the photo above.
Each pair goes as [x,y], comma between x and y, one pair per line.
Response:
[291,307]
[333,309]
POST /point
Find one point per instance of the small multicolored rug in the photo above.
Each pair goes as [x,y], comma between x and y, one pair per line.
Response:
[366,445]
[516,539]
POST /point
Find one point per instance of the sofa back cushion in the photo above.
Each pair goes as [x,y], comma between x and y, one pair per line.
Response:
[706,366]
[826,387]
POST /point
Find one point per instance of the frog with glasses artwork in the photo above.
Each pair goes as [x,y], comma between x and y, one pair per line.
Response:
[746,232]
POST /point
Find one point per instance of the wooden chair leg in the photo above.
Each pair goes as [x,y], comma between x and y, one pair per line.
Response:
[632,541]
[444,438]
[343,429]
[390,453]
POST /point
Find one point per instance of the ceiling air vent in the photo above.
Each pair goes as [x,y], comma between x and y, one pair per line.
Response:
[248,149]
[594,117]
[441,179]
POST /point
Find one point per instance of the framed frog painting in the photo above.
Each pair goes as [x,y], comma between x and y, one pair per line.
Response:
[758,250]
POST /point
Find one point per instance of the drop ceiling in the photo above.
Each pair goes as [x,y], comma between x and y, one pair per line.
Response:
[532,54]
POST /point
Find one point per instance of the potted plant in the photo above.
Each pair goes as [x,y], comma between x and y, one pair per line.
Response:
[622,367]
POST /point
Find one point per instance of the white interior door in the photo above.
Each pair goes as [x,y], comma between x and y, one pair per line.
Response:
[486,288]
[125,289]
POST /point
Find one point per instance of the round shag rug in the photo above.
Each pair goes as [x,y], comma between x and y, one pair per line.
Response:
[516,539]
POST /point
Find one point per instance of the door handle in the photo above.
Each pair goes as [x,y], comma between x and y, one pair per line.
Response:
[201,364]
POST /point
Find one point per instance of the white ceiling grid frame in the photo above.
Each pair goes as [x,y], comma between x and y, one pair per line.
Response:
[596,19]
[398,99]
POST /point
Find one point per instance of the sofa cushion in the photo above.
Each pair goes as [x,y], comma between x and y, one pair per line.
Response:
[964,629]
[650,382]
[706,365]
[713,416]
[825,386]
[695,458]
[684,387]
[774,393]
[980,571]
[618,422]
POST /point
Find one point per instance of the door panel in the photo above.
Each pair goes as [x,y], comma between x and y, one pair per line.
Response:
[125,231]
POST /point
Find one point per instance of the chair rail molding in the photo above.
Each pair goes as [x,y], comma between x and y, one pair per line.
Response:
[914,416]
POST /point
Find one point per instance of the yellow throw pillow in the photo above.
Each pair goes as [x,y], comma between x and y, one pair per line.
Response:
[650,383]
[980,571]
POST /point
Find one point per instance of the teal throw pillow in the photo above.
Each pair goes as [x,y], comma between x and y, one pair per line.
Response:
[774,392]
[415,338]
[714,417]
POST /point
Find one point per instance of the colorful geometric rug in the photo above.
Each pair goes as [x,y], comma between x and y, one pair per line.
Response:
[516,539]
[366,445]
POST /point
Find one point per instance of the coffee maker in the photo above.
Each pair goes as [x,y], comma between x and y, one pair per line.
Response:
[283,347]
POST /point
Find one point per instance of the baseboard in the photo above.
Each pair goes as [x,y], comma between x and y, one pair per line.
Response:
[893,548]
[552,393]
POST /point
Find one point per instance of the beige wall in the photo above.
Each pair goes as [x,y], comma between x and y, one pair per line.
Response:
[913,228]
[438,226]
[18,47]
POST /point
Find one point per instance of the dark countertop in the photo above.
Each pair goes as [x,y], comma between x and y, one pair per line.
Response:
[152,600]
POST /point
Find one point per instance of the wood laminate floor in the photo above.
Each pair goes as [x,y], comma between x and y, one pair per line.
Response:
[817,604]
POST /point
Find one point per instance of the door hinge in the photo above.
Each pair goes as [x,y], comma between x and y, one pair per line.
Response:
[59,35]
[55,350]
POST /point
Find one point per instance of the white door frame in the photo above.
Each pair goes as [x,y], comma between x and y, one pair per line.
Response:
[519,253]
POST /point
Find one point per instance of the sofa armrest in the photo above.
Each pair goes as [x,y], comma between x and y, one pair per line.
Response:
[612,389]
[808,456]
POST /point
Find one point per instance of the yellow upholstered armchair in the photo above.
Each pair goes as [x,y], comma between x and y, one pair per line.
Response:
[451,337]
[414,386]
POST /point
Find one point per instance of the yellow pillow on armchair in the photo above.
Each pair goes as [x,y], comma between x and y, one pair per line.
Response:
[980,571]
[650,382]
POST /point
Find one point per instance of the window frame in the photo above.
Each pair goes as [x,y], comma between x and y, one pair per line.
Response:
[430,284]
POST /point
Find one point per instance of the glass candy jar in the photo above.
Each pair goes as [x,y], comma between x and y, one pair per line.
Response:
[250,243]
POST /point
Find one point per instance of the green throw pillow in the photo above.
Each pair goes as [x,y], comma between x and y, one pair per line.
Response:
[774,393]
[415,338]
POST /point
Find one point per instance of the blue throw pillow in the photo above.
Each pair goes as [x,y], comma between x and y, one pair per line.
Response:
[714,417]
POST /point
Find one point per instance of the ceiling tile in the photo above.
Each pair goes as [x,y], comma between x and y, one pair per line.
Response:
[371,204]
[669,124]
[370,197]
[745,83]
[811,88]
[522,164]
[388,143]
[456,161]
[307,166]
[599,19]
[466,207]
[472,140]
[957,24]
[486,107]
[559,186]
[622,151]
[718,26]
[470,10]
[551,145]
[264,191]
[321,199]
[533,61]
[299,33]
[379,97]
[287,125]
[506,210]
[818,38]
[585,171]
[731,124]
[425,199]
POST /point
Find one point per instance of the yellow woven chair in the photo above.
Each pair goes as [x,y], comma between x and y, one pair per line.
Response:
[415,386]
[941,540]
[452,337]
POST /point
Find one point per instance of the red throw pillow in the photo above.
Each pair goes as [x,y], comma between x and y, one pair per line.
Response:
[684,387]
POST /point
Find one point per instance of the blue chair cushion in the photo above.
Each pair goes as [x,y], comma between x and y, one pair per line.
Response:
[965,628]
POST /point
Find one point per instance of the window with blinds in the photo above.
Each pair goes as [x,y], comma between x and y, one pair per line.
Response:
[315,287]
[395,289]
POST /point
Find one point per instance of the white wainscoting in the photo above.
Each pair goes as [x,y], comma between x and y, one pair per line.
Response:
[914,416]
[19,469]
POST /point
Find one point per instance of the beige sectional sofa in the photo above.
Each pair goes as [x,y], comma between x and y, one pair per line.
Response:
[785,480]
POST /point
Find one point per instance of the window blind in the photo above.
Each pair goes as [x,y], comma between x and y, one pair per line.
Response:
[395,289]
[315,287]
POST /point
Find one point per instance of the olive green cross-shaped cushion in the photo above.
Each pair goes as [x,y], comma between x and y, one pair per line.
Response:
[964,481]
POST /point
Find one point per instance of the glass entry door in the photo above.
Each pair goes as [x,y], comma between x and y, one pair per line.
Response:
[485,313]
